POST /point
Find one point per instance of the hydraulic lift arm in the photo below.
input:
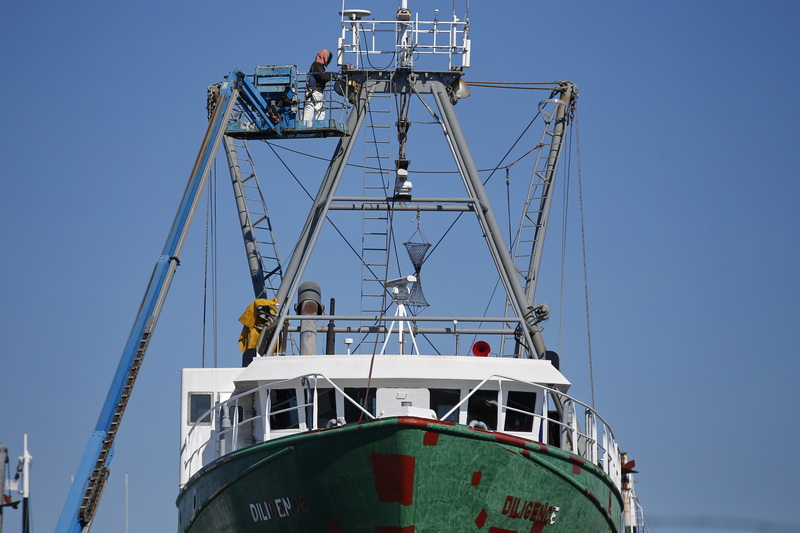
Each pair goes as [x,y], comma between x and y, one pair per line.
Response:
[93,469]
[267,108]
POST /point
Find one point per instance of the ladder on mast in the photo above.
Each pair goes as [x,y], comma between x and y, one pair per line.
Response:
[528,242]
[375,225]
[259,239]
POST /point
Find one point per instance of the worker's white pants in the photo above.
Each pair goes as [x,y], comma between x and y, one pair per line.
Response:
[315,107]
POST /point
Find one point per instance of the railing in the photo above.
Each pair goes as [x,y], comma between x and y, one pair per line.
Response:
[335,101]
[362,41]
[227,436]
[594,441]
[578,428]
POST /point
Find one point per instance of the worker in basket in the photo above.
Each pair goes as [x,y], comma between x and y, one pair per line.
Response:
[315,87]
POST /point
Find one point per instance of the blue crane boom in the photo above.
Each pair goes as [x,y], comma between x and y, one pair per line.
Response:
[269,109]
[93,469]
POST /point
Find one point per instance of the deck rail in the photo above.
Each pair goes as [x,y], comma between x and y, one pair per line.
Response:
[562,421]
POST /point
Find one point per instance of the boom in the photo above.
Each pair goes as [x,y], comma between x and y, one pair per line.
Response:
[266,107]
[93,469]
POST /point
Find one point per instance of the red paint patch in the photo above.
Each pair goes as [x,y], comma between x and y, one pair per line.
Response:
[334,527]
[431,438]
[501,530]
[394,477]
[543,447]
[481,520]
[394,529]
[476,478]
[538,527]
[412,421]
[526,453]
[511,439]
[576,468]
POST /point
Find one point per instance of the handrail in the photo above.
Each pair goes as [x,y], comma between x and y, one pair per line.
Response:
[594,442]
[219,434]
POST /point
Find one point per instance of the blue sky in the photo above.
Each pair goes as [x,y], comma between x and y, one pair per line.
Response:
[687,124]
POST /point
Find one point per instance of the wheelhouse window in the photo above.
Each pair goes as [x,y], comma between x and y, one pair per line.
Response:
[353,413]
[520,401]
[443,400]
[326,406]
[199,403]
[482,407]
[281,400]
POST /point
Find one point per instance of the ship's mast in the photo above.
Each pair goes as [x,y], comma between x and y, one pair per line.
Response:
[404,81]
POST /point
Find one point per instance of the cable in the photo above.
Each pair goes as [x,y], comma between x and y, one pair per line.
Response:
[353,165]
[585,263]
[484,182]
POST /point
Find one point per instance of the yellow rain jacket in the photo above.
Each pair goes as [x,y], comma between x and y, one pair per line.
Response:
[254,319]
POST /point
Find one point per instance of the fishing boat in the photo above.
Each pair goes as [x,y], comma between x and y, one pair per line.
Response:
[387,408]
[390,437]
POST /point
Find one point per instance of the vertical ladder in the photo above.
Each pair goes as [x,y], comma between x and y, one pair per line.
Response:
[375,224]
[262,253]
[529,239]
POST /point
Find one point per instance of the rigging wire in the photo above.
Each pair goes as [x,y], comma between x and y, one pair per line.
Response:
[564,224]
[585,263]
[354,165]
[333,225]
[214,269]
[485,182]
[441,239]
[498,167]
[473,84]
[205,292]
[210,265]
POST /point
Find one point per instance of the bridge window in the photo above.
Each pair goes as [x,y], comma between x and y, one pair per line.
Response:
[442,400]
[326,407]
[199,403]
[482,407]
[353,413]
[524,401]
[280,400]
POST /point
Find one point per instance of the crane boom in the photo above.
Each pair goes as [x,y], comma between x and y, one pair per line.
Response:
[93,469]
[263,107]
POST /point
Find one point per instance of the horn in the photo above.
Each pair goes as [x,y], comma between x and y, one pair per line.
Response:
[481,349]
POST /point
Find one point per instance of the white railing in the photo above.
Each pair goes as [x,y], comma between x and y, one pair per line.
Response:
[579,429]
[593,440]
[364,41]
[225,432]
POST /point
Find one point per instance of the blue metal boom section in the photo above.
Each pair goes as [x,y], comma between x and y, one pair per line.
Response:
[87,487]
[266,107]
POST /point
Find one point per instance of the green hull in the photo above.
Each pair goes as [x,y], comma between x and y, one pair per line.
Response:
[400,475]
